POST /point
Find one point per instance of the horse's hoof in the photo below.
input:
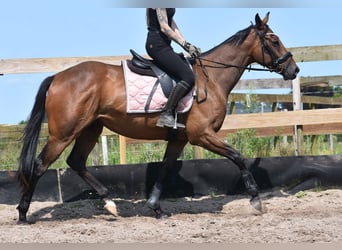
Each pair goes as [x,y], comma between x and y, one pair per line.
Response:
[160,215]
[152,204]
[257,204]
[26,222]
[158,211]
[22,222]
[22,219]
[111,207]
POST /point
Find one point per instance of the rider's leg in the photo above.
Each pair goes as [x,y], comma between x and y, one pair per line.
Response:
[167,117]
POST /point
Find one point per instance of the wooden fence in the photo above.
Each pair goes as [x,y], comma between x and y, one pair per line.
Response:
[293,123]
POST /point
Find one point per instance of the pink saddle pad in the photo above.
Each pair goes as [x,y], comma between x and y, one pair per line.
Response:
[138,89]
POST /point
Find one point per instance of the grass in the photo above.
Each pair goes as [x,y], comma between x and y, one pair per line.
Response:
[244,141]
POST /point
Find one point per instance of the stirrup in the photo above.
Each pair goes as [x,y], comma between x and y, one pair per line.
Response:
[176,124]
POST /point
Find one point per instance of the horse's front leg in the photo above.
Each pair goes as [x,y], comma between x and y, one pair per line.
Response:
[211,141]
[77,161]
[173,150]
[154,200]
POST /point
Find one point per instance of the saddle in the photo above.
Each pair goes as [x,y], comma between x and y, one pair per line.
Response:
[148,86]
[143,66]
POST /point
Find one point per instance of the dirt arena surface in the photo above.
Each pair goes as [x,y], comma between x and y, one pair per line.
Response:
[306,217]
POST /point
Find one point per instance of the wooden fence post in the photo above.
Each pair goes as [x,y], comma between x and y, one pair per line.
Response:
[122,146]
[331,143]
[104,149]
[95,155]
[198,152]
[297,105]
[232,108]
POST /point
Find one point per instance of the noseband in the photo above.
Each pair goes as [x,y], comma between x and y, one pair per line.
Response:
[276,62]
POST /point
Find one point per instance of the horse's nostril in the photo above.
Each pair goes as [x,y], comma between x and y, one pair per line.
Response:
[297,70]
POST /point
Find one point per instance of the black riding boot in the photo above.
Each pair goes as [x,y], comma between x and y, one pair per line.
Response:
[167,117]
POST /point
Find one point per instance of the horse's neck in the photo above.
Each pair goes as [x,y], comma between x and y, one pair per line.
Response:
[228,77]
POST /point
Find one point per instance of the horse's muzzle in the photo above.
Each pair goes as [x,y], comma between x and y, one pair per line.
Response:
[290,73]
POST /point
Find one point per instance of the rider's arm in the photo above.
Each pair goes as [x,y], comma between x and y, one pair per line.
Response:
[171,32]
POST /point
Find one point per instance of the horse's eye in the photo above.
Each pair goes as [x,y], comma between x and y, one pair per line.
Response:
[276,43]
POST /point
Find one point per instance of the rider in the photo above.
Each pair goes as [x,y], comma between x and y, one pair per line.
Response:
[162,29]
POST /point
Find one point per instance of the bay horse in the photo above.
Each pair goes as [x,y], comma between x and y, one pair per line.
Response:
[83,99]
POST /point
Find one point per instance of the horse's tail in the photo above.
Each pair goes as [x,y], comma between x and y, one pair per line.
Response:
[31,135]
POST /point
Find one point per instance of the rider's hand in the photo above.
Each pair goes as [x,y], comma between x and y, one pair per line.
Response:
[192,49]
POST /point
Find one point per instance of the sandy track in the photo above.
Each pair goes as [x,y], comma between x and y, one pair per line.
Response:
[314,217]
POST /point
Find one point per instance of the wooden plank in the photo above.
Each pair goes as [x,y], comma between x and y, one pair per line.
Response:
[237,97]
[323,129]
[39,65]
[15,132]
[269,83]
[318,129]
[316,120]
[331,80]
[282,119]
[320,121]
[317,53]
[322,100]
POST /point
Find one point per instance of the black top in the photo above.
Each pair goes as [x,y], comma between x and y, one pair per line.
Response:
[153,24]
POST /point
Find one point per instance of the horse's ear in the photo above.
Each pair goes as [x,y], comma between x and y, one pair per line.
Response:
[261,23]
[265,21]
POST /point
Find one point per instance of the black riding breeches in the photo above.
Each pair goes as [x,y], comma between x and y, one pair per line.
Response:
[172,63]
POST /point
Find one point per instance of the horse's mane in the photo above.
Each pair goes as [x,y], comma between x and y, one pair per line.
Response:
[234,40]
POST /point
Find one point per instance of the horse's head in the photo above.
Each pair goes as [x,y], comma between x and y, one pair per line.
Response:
[270,51]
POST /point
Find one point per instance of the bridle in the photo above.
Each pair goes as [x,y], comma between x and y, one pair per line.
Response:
[277,62]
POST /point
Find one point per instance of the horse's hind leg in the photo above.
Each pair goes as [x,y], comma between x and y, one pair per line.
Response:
[48,155]
[212,142]
[173,150]
[78,157]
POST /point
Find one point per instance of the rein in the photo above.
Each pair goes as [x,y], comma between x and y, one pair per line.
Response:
[221,65]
